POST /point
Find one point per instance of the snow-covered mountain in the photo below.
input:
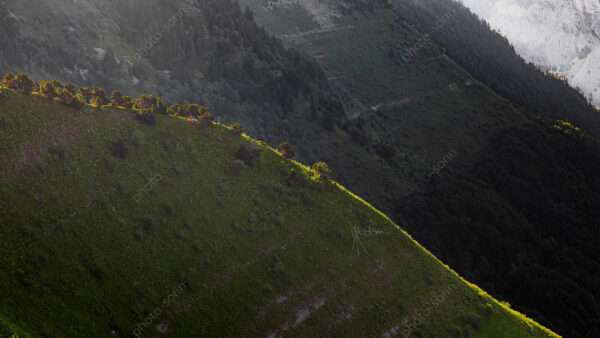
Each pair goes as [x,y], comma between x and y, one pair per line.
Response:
[562,36]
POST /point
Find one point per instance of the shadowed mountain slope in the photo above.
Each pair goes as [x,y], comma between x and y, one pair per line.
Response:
[112,226]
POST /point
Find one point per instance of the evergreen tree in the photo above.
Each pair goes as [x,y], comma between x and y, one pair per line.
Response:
[97,101]
[7,78]
[191,110]
[70,87]
[99,97]
[12,84]
[128,102]
[237,128]
[321,170]
[47,89]
[146,110]
[66,97]
[116,99]
[24,83]
[205,117]
[286,150]
[175,109]
[159,106]
[86,94]
[143,103]
[81,99]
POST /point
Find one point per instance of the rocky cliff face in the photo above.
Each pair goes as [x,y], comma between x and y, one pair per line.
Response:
[558,35]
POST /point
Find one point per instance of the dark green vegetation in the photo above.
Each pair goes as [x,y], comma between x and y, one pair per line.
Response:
[403,119]
[408,115]
[522,222]
[108,223]
[414,111]
[522,219]
[489,57]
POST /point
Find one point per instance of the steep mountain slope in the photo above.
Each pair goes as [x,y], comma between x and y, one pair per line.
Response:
[212,54]
[114,227]
[406,118]
[522,222]
[492,59]
[207,52]
[423,105]
[409,113]
[561,36]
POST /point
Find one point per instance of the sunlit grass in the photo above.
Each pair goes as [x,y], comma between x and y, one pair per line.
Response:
[81,257]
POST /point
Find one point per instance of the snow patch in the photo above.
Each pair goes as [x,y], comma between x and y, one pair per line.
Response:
[562,36]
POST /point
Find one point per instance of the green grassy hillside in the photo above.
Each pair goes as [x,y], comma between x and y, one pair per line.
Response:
[423,115]
[114,227]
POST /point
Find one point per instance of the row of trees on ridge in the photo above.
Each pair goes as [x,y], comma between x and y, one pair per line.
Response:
[146,105]
[69,95]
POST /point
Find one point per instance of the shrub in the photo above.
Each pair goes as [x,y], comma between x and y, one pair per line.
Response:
[191,110]
[286,150]
[294,179]
[127,102]
[176,109]
[71,88]
[321,170]
[7,78]
[151,104]
[81,100]
[47,89]
[116,99]
[248,155]
[119,149]
[98,101]
[6,333]
[99,97]
[147,118]
[278,269]
[205,117]
[65,96]
[169,208]
[237,167]
[86,94]
[12,84]
[237,129]
[159,106]
[59,150]
[472,319]
[24,83]
[148,223]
